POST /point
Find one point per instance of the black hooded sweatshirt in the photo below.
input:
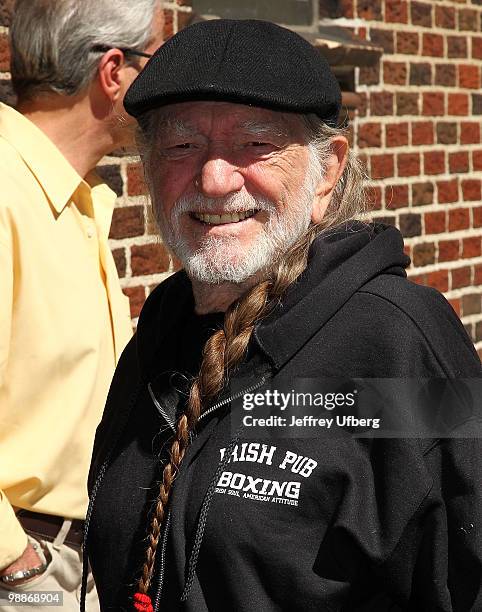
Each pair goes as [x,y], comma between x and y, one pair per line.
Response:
[381,525]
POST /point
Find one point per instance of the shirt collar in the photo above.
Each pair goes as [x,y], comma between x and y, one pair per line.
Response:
[57,177]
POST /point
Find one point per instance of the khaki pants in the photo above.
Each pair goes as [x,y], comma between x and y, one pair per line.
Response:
[63,575]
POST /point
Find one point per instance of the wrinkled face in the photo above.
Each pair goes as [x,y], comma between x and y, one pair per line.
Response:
[232,186]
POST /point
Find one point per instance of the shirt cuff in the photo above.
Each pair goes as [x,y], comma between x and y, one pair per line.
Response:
[13,539]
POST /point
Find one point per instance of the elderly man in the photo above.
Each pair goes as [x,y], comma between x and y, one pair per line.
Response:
[256,193]
[63,318]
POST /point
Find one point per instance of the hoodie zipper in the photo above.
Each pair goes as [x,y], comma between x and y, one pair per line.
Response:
[198,537]
[236,396]
[162,564]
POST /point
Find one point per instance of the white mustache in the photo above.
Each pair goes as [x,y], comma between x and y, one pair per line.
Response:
[235,203]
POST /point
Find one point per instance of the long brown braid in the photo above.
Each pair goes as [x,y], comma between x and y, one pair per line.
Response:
[222,352]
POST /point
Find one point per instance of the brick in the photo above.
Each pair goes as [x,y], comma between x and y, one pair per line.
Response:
[127,222]
[476,104]
[420,74]
[407,43]
[447,191]
[446,132]
[471,190]
[387,220]
[477,216]
[448,250]
[120,261]
[4,54]
[418,278]
[421,14]
[467,19]
[395,73]
[424,254]
[369,10]
[459,162]
[422,133]
[149,259]
[332,10]
[369,75]
[383,38]
[381,103]
[434,222]
[396,196]
[408,251]
[361,111]
[373,197]
[396,11]
[6,8]
[478,334]
[459,219]
[455,303]
[458,104]
[445,17]
[477,160]
[382,166]
[469,132]
[460,277]
[408,164]
[422,194]
[135,180]
[439,279]
[111,175]
[477,47]
[445,75]
[471,304]
[456,46]
[396,134]
[478,274]
[433,103]
[471,247]
[137,297]
[410,225]
[407,104]
[469,76]
[432,45]
[434,162]
[370,135]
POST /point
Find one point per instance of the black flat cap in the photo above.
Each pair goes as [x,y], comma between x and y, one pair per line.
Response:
[248,62]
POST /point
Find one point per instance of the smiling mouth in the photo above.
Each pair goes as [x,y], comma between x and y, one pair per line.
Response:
[224,218]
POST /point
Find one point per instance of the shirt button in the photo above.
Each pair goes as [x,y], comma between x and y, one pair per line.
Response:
[90,233]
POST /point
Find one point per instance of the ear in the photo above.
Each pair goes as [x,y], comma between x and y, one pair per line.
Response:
[110,73]
[335,165]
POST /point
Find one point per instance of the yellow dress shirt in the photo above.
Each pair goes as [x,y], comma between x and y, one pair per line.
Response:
[63,324]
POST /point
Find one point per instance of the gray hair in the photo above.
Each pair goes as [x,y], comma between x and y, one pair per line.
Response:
[52,40]
[350,199]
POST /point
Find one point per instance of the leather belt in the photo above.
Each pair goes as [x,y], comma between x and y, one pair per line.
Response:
[47,526]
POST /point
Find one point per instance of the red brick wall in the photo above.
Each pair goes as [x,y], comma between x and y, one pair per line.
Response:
[418,128]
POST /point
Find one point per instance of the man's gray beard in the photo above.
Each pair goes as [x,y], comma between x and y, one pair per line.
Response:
[221,259]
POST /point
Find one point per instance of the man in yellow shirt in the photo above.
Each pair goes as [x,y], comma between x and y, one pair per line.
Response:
[63,318]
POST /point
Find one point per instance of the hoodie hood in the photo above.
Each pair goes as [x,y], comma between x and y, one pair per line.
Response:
[341,260]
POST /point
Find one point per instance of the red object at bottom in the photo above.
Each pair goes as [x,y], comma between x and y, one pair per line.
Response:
[142,603]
